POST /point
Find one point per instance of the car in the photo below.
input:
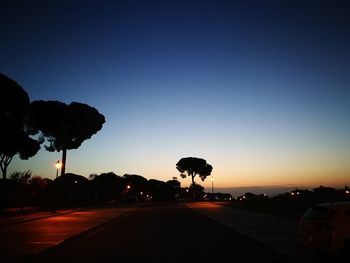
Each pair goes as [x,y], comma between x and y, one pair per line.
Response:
[326,228]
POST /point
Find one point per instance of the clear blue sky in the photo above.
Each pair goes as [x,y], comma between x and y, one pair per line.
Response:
[260,89]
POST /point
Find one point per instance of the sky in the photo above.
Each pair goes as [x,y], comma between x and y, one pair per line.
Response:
[259,89]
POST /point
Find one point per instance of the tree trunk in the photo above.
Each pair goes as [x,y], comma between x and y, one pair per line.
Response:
[193,189]
[5,162]
[64,157]
[3,170]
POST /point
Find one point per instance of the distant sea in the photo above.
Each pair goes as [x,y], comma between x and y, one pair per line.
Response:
[269,190]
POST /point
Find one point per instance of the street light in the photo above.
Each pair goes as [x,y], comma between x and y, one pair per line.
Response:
[212,184]
[58,166]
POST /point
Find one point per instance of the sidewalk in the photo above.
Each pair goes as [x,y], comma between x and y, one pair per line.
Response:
[14,215]
[276,231]
[25,235]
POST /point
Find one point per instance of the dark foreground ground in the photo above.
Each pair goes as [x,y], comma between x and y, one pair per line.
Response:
[160,233]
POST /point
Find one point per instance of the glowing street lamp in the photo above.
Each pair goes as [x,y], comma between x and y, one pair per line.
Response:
[58,166]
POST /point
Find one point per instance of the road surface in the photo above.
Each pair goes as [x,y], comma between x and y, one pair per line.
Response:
[156,233]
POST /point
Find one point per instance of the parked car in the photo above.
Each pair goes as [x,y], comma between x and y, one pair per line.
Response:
[326,228]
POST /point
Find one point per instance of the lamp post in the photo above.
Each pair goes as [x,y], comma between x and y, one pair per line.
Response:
[58,166]
[212,184]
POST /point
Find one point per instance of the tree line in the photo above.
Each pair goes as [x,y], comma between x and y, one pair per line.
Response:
[23,189]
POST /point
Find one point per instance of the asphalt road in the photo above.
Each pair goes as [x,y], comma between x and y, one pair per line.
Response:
[161,233]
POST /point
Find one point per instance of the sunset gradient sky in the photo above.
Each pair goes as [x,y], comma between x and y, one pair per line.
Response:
[260,89]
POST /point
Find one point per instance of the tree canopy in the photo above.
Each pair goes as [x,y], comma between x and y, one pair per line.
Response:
[107,186]
[13,137]
[64,126]
[14,101]
[193,166]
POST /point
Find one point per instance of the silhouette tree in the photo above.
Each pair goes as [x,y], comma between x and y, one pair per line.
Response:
[92,176]
[173,189]
[158,190]
[107,187]
[174,183]
[64,126]
[136,183]
[193,166]
[21,191]
[198,189]
[70,189]
[38,186]
[13,137]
